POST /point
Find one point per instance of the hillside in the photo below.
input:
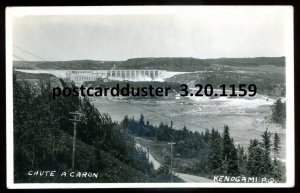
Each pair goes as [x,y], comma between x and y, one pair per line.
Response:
[62,65]
[170,64]
[276,61]
[43,135]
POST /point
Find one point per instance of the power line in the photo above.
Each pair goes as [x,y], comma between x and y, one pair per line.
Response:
[18,57]
[24,60]
[35,55]
[28,52]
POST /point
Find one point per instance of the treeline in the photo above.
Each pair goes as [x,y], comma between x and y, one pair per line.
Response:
[183,64]
[216,153]
[277,61]
[171,64]
[267,84]
[43,134]
[66,65]
[192,144]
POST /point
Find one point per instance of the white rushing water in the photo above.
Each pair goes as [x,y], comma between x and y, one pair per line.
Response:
[247,118]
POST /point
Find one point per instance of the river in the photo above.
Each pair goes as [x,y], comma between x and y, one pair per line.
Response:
[247,118]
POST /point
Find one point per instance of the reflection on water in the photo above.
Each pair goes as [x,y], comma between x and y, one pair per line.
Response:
[247,118]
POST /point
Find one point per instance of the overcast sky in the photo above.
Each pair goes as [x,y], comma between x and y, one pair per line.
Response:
[119,37]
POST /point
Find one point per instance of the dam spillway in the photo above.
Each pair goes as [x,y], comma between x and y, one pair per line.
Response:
[79,76]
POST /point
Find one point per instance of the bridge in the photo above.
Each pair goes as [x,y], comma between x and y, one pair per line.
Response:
[80,76]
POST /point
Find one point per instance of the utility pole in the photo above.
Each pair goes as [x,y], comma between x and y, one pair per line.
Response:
[171,143]
[77,116]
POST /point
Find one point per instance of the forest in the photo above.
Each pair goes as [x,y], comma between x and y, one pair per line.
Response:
[43,134]
[215,153]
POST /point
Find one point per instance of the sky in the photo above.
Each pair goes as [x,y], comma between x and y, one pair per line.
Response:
[215,34]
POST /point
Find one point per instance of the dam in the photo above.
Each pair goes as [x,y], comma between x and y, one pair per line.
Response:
[80,76]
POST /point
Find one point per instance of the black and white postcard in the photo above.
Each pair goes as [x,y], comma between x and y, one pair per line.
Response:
[150,96]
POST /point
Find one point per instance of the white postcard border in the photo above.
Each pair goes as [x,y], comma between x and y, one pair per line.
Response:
[13,12]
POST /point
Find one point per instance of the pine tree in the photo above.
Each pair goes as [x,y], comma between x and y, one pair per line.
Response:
[141,125]
[206,135]
[125,122]
[141,122]
[276,146]
[215,153]
[266,158]
[278,168]
[242,159]
[254,163]
[229,154]
[233,161]
[278,172]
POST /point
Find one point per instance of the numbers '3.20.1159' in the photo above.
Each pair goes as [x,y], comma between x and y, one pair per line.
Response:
[223,90]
